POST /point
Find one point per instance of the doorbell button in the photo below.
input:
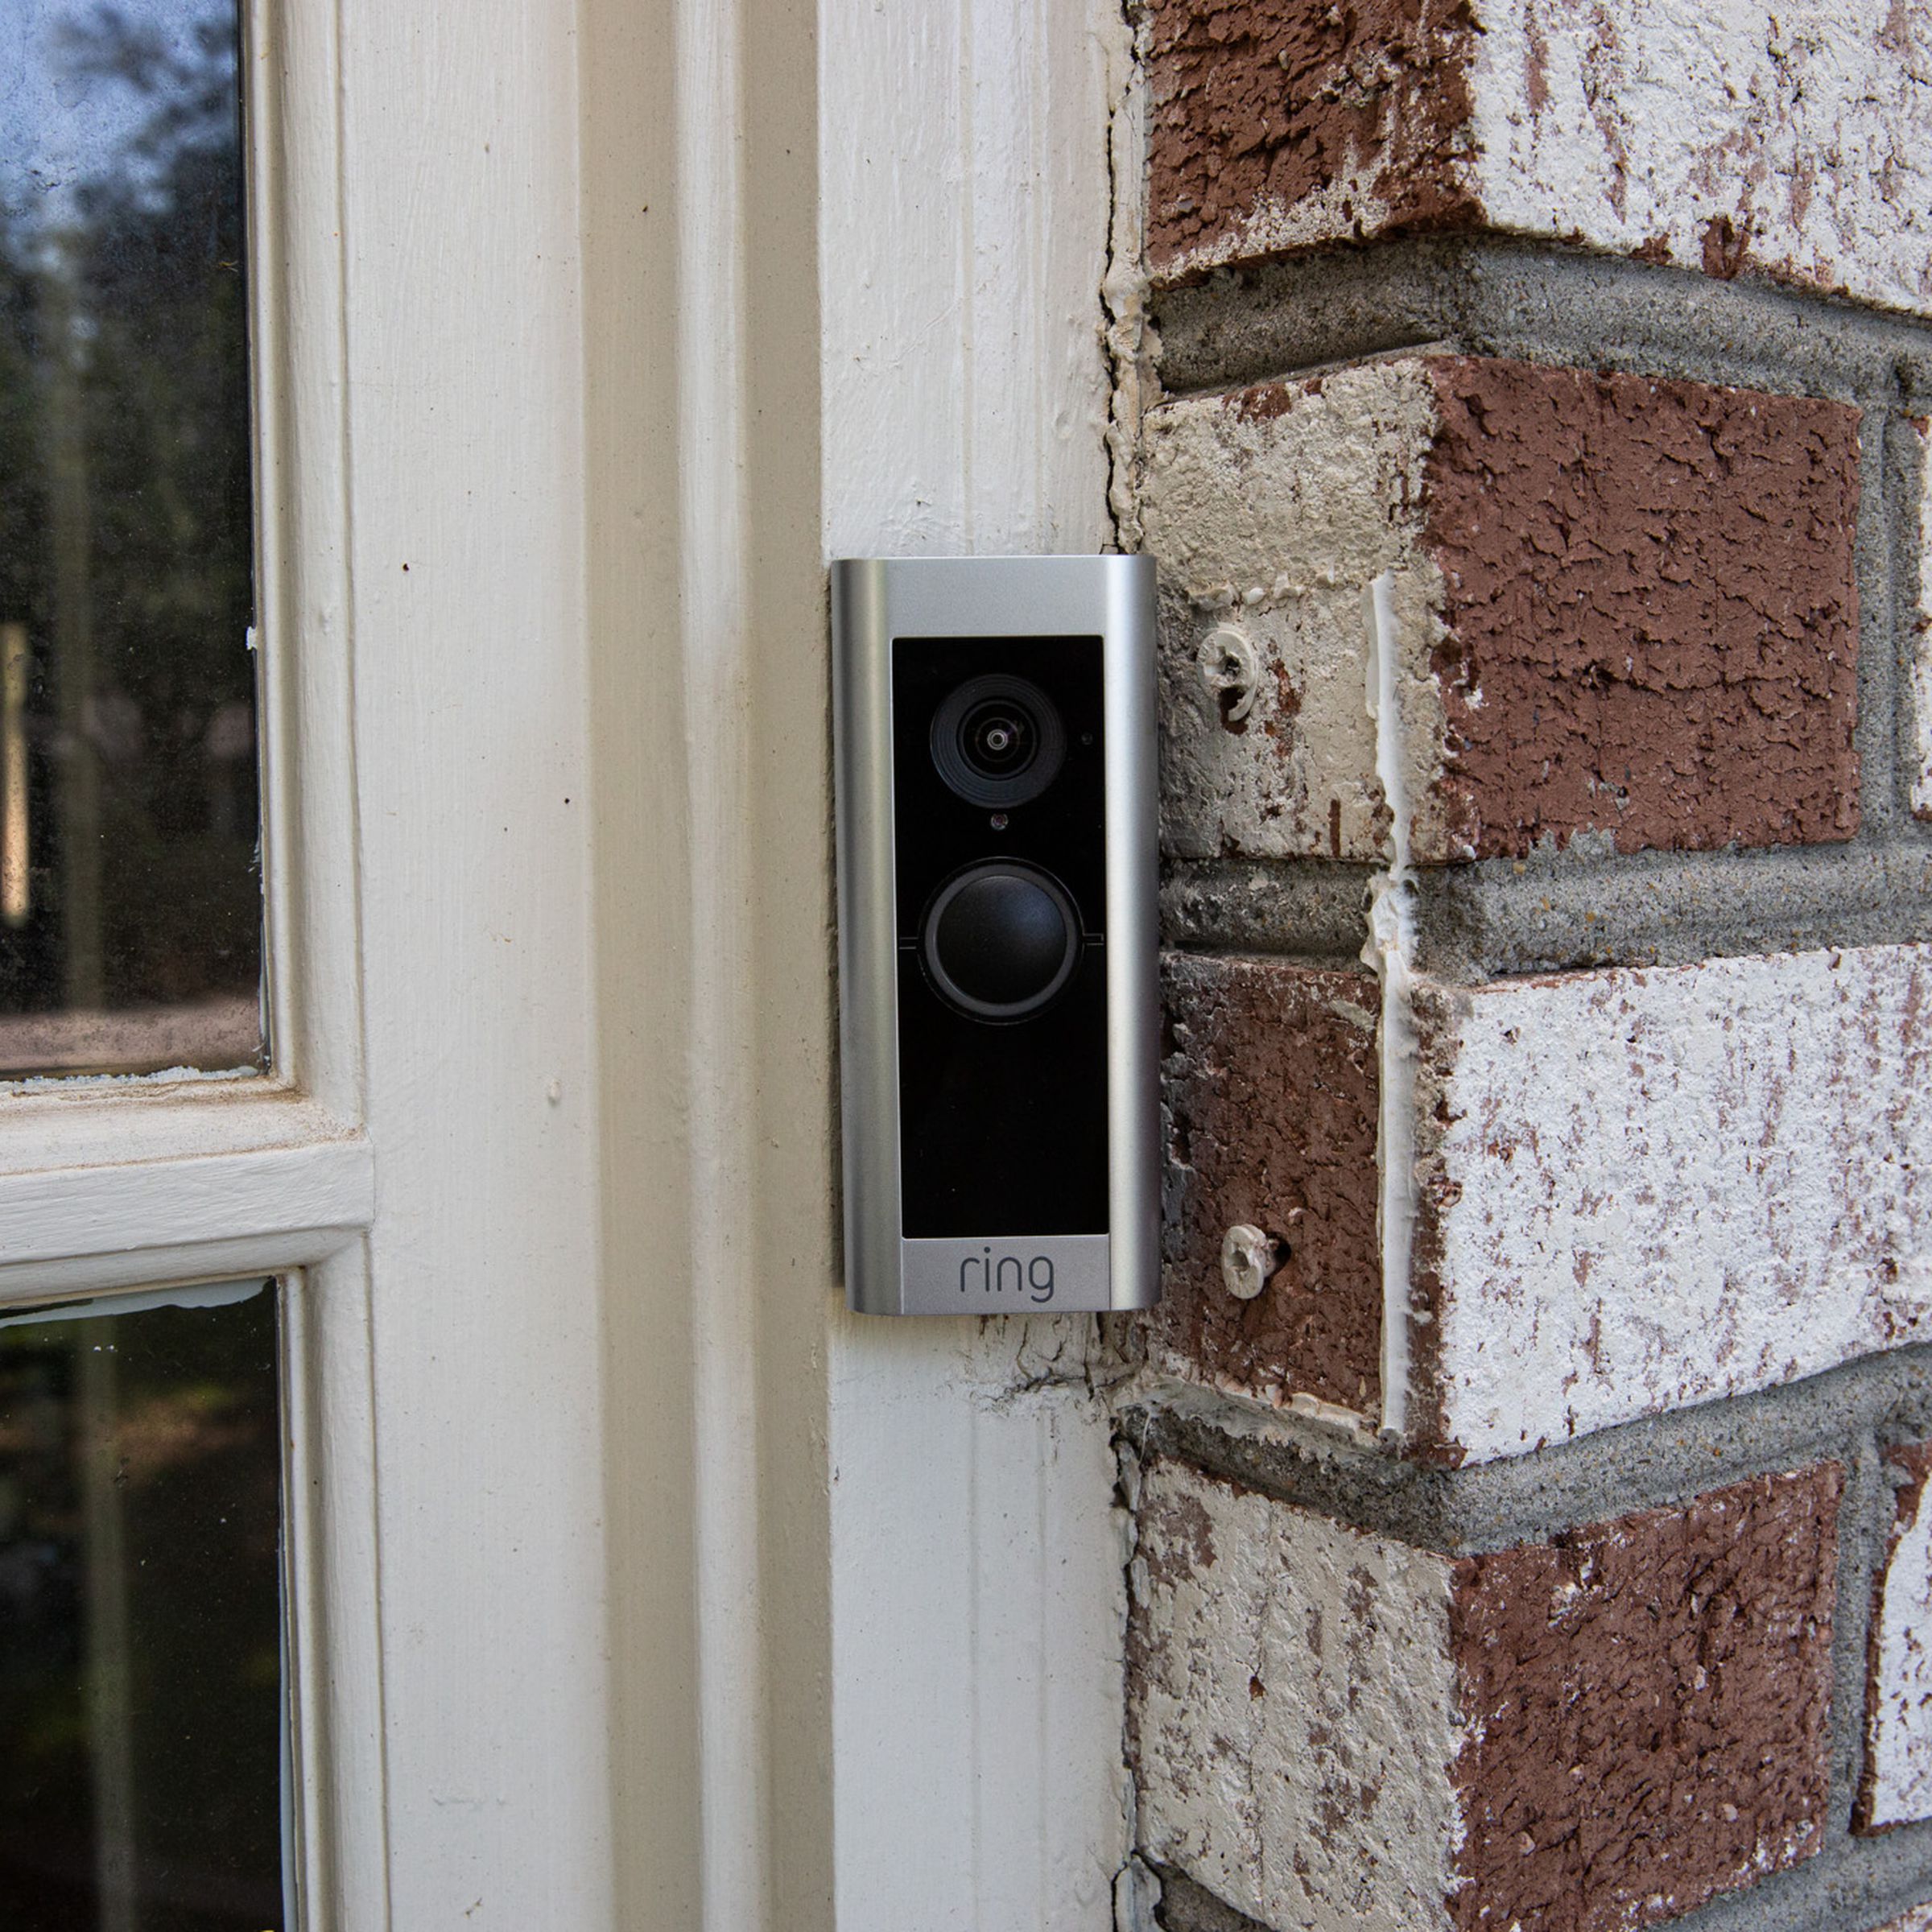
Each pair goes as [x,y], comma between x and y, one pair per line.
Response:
[1000,940]
[998,739]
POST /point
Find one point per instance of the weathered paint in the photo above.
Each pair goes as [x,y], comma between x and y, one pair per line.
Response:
[1643,1189]
[1332,1728]
[1609,604]
[1897,1784]
[1271,511]
[1753,137]
[1635,1189]
[1650,609]
[1293,1718]
[1648,1703]
[1749,137]
[1274,126]
[1271,1125]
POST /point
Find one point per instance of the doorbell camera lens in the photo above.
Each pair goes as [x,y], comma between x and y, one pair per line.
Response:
[1000,941]
[998,739]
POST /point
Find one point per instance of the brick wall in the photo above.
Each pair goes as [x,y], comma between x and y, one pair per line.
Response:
[1530,1462]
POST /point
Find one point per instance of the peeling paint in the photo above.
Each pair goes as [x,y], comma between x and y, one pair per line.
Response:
[1331,1727]
[1789,141]
[1612,605]
[1650,610]
[1648,1702]
[1270,1087]
[1285,502]
[1275,127]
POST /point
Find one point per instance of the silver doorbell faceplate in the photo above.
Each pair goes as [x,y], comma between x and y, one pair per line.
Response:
[998,1001]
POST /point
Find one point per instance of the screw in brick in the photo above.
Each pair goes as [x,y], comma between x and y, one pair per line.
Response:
[1248,1256]
[1231,669]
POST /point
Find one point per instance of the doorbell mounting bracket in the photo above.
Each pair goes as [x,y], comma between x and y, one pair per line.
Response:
[998,1003]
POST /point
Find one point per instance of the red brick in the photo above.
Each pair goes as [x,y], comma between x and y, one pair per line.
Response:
[1650,1704]
[1271,1099]
[1260,104]
[1652,608]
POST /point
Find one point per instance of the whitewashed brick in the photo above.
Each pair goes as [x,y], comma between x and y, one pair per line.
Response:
[1898,1759]
[1272,511]
[1642,1189]
[1795,138]
[1542,684]
[1293,1669]
[1922,633]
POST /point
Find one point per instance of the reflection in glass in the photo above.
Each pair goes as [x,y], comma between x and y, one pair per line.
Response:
[141,1755]
[130,913]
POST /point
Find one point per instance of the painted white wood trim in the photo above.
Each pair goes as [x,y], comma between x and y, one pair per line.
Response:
[160,1220]
[709,728]
[311,853]
[963,176]
[720,672]
[91,1127]
[464,406]
[331,1571]
[977,1595]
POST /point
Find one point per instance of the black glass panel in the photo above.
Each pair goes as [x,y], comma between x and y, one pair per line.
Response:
[1002,1123]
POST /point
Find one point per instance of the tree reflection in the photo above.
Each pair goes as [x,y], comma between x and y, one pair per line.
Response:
[140,1654]
[125,516]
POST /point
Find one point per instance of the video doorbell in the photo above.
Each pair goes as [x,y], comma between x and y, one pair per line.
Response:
[998,1007]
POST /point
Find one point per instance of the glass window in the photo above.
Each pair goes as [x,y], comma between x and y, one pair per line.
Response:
[142,1741]
[130,903]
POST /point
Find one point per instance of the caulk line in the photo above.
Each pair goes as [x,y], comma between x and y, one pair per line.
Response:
[1389,950]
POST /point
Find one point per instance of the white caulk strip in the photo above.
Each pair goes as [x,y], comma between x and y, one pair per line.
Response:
[1388,951]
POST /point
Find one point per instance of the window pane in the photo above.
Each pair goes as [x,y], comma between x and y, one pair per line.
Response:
[141,1701]
[130,904]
